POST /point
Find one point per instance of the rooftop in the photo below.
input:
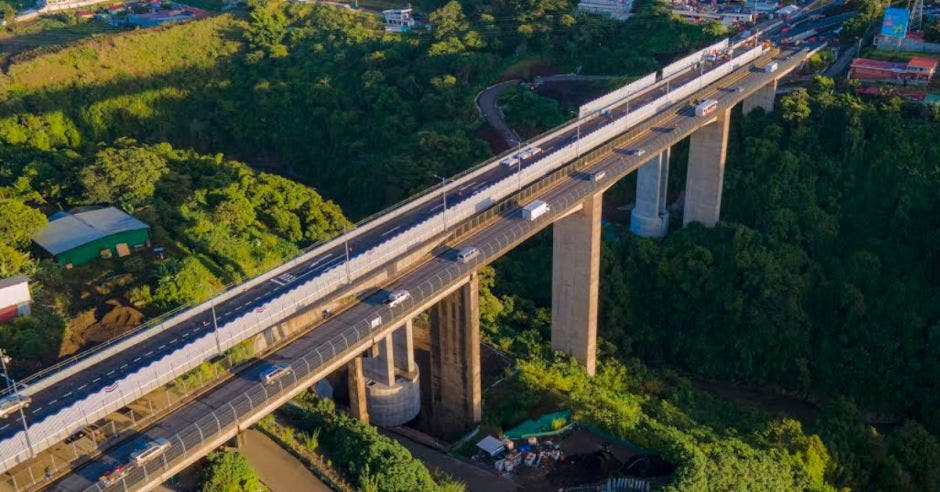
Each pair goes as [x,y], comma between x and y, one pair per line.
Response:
[11,281]
[67,231]
[923,62]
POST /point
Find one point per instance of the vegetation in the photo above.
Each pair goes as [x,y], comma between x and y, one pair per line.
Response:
[529,113]
[229,471]
[820,280]
[306,447]
[368,459]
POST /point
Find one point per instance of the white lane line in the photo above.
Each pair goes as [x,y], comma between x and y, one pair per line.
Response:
[161,347]
[438,207]
[174,340]
[393,229]
[95,380]
[123,366]
[4,426]
[110,373]
[137,359]
[148,354]
[320,260]
[51,403]
[67,394]
[465,186]
[82,386]
[480,185]
[278,283]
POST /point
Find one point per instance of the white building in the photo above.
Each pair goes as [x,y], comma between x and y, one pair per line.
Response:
[398,20]
[14,298]
[615,9]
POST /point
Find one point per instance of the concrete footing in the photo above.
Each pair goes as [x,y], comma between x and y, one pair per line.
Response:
[456,401]
[649,217]
[575,275]
[707,151]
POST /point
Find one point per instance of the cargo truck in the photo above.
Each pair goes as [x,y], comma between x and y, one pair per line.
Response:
[535,210]
[706,107]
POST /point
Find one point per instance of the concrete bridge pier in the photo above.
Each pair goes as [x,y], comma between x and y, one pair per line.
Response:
[705,177]
[763,98]
[649,217]
[393,397]
[456,401]
[576,258]
[357,390]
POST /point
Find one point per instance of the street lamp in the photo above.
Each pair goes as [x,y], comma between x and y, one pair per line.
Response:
[346,247]
[444,182]
[4,360]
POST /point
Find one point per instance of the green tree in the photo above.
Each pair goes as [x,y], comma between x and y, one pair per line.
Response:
[126,175]
[181,282]
[229,471]
[7,14]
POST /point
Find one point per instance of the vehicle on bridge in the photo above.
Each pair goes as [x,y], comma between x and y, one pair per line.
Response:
[467,254]
[637,151]
[397,297]
[706,107]
[530,152]
[275,372]
[535,210]
[598,175]
[150,451]
[111,476]
[12,403]
[510,161]
[771,67]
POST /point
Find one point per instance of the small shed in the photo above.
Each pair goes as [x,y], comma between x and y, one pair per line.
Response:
[491,446]
[77,238]
[14,297]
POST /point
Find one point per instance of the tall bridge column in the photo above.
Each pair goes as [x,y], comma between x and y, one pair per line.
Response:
[404,346]
[456,389]
[649,217]
[763,98]
[707,151]
[576,258]
[357,390]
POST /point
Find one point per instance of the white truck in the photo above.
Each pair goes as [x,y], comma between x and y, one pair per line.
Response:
[706,107]
[535,210]
[770,67]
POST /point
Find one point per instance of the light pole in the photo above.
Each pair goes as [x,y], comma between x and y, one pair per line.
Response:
[444,182]
[215,330]
[346,247]
[4,359]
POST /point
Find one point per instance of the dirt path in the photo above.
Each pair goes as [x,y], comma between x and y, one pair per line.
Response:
[278,469]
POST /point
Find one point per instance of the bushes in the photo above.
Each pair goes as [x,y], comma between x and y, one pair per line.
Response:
[229,471]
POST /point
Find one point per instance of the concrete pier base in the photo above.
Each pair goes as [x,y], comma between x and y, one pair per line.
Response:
[649,217]
[575,274]
[707,151]
[456,401]
[763,98]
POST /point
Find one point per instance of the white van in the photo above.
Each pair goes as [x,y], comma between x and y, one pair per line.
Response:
[598,175]
[150,451]
[397,297]
[706,107]
[12,403]
[275,372]
[467,254]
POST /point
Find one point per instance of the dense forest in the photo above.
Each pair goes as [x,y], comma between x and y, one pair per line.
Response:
[821,280]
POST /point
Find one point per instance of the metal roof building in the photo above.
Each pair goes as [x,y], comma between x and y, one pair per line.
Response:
[76,239]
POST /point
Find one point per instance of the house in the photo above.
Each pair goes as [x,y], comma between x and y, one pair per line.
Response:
[615,9]
[77,238]
[14,298]
[917,71]
[398,20]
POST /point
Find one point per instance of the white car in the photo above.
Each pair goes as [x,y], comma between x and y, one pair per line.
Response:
[397,297]
[150,451]
[529,152]
[510,161]
[275,372]
[636,151]
[467,254]
[12,403]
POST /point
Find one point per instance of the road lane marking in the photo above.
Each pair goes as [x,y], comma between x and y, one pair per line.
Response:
[95,380]
[466,186]
[123,366]
[320,260]
[161,347]
[53,402]
[137,359]
[110,373]
[148,354]
[67,394]
[393,229]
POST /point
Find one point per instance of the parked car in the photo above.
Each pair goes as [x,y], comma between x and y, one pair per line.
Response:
[150,451]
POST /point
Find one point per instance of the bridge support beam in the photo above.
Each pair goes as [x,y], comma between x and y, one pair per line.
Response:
[707,151]
[576,258]
[357,390]
[404,346]
[649,217]
[380,367]
[456,390]
[763,98]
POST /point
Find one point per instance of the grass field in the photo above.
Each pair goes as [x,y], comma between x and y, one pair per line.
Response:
[47,32]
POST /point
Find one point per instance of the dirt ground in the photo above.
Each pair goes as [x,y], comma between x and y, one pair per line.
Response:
[99,324]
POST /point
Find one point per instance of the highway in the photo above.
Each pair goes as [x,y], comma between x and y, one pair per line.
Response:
[105,374]
[654,135]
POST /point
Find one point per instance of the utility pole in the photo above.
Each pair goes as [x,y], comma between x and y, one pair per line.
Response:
[346,246]
[4,359]
[215,330]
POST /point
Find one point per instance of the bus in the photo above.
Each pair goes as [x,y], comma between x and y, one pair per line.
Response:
[706,107]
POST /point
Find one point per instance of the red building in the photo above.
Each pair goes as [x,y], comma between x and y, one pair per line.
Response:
[917,71]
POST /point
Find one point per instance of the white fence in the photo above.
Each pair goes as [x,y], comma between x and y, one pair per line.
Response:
[616,96]
[688,61]
[95,406]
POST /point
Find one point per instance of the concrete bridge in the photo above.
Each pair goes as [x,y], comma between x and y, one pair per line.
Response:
[479,209]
